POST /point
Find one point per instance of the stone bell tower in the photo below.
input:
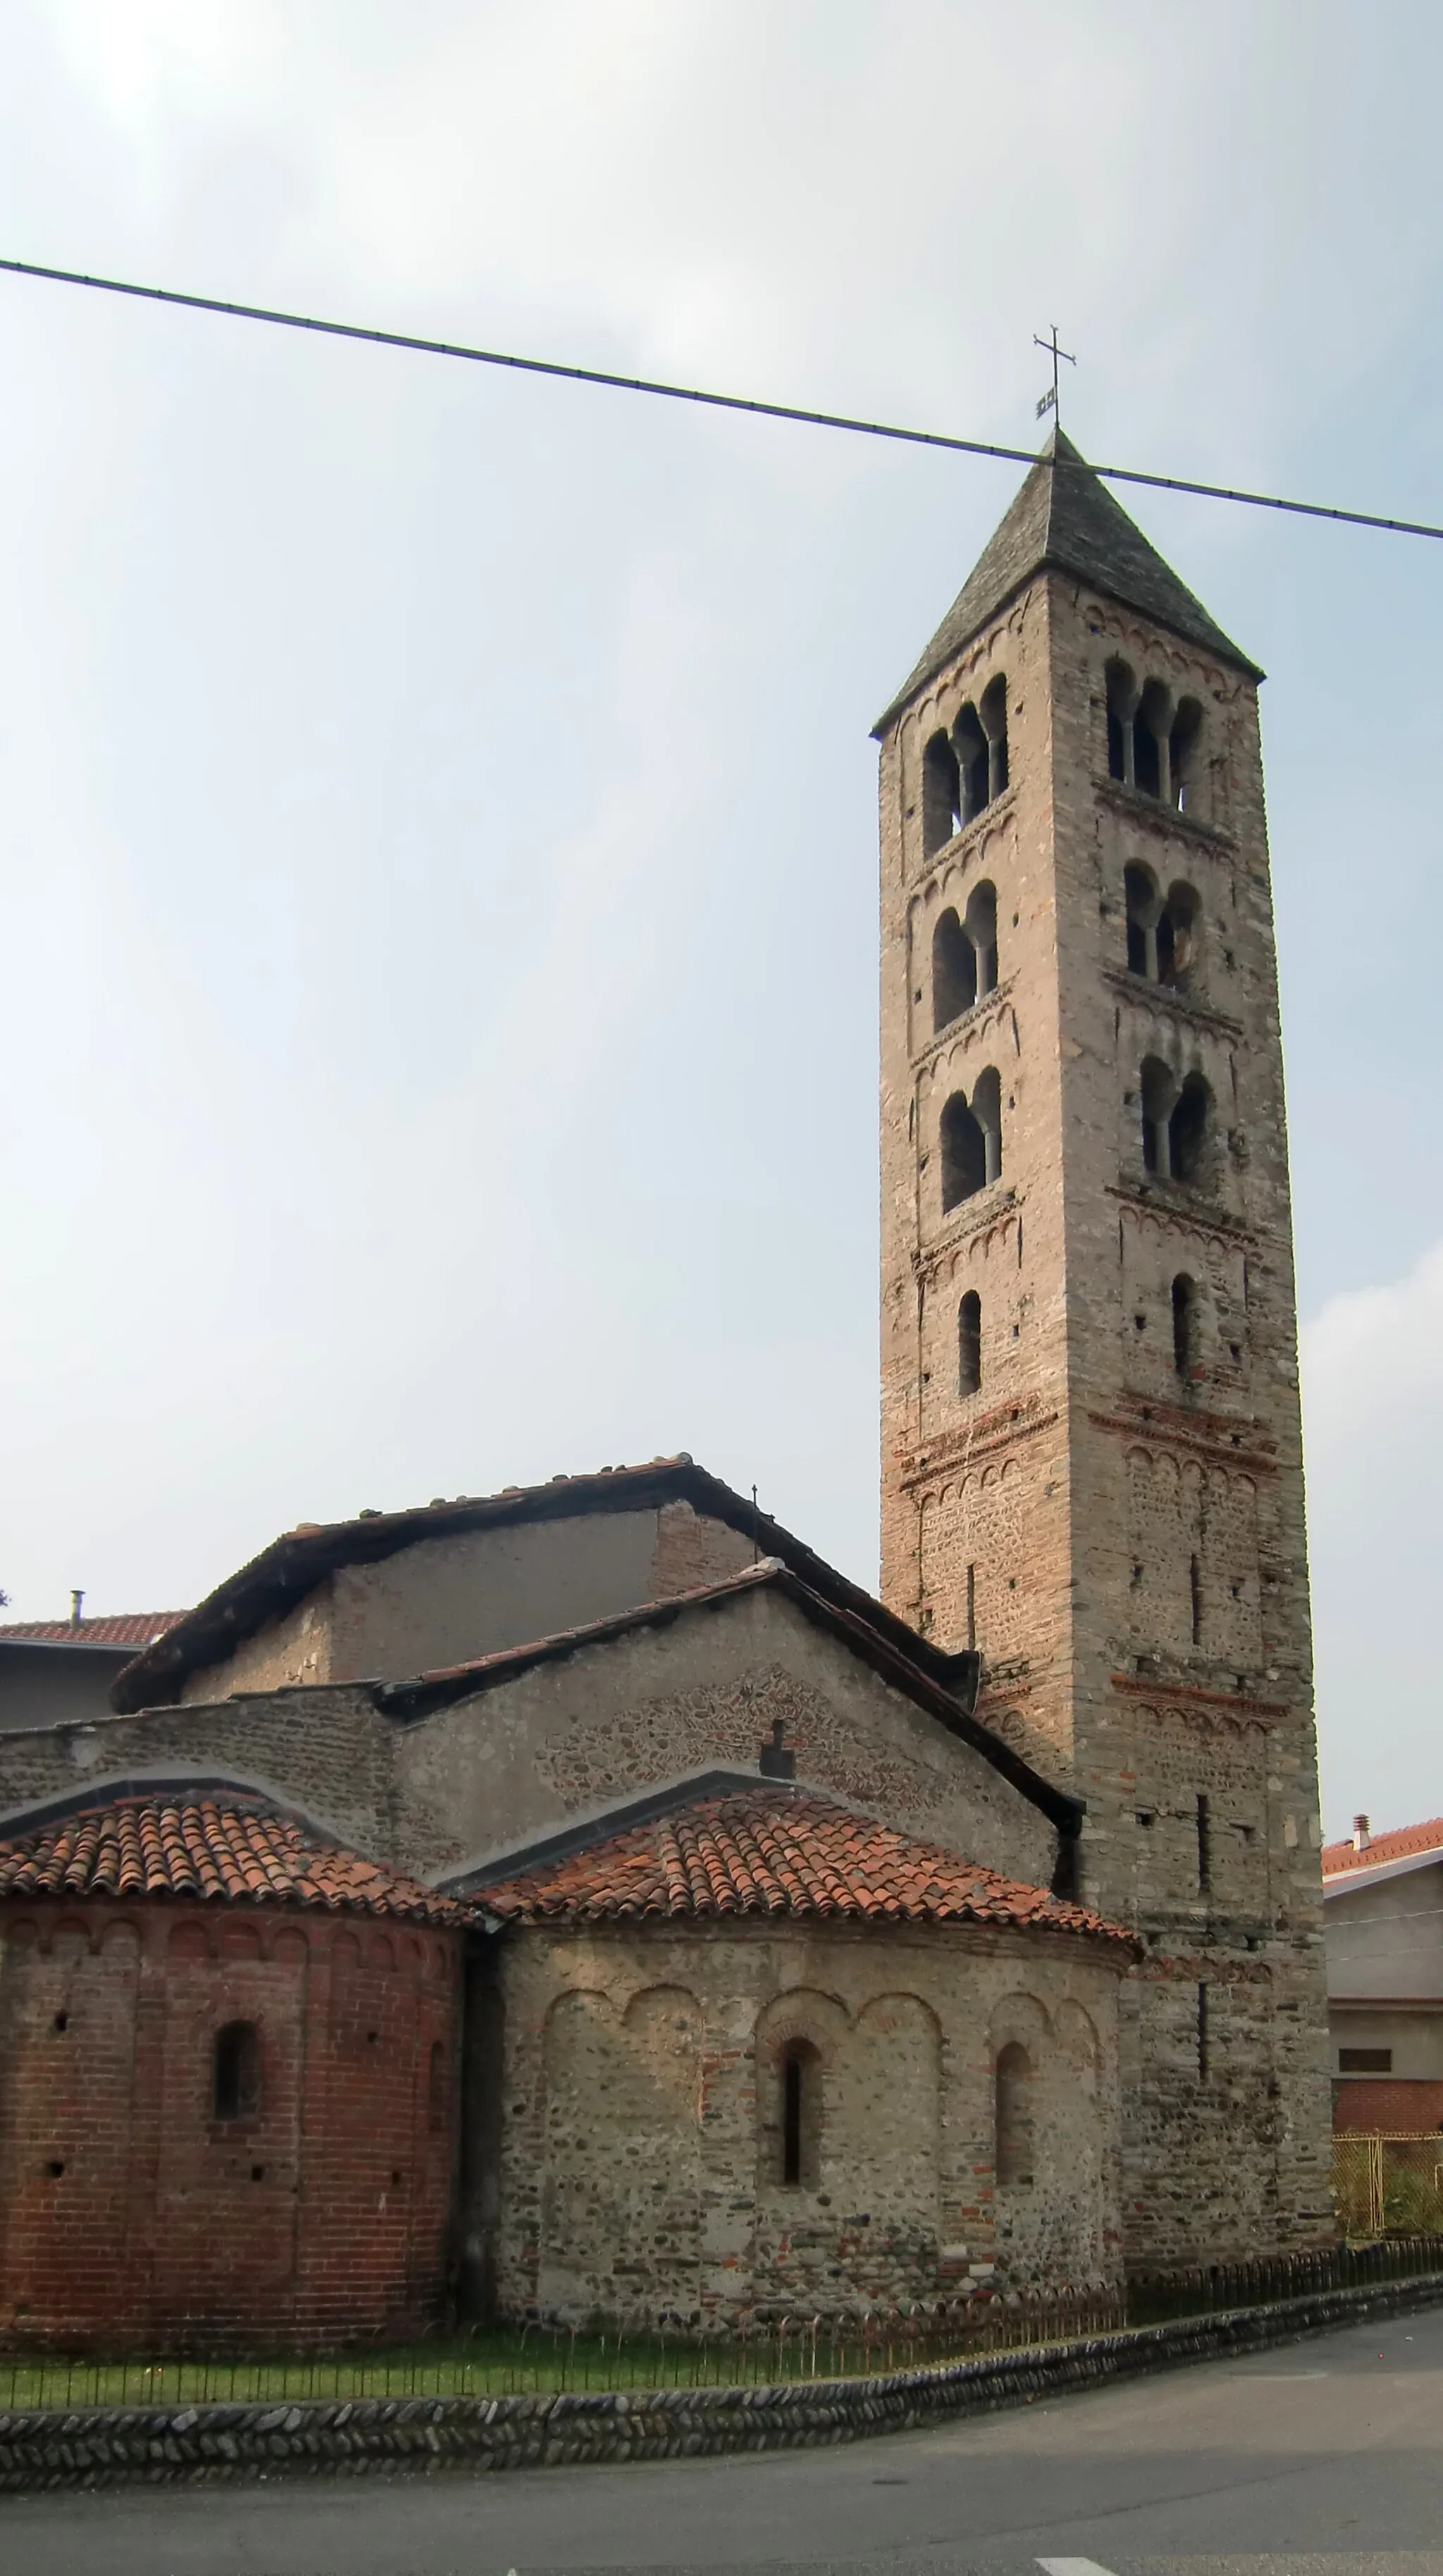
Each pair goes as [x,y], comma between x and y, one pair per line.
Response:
[1091,1447]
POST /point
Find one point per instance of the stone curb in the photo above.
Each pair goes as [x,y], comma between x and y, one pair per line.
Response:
[199,2445]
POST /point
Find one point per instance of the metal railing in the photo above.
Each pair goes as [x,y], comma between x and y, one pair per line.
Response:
[534,2360]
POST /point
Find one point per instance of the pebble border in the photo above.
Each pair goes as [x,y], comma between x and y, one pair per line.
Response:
[199,2445]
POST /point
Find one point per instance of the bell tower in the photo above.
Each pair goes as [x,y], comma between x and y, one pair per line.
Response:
[1091,1445]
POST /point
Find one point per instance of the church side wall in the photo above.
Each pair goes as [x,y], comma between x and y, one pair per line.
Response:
[327,1752]
[570,1738]
[447,1600]
[642,2164]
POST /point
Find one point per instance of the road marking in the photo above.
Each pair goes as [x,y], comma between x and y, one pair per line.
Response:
[1073,2567]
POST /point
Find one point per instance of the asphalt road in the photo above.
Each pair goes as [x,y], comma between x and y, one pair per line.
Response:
[1319,2460]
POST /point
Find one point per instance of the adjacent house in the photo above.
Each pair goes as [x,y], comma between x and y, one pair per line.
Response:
[1383,1927]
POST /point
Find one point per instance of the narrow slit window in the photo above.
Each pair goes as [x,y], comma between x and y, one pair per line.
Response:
[1203,2035]
[971,1609]
[969,1344]
[1013,2150]
[1184,1325]
[236,2072]
[1204,1844]
[799,2073]
[1194,1585]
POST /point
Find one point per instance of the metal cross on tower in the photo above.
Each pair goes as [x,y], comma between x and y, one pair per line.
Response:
[1048,401]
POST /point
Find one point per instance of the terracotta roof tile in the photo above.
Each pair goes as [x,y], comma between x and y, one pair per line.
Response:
[772,1850]
[134,1628]
[1404,1844]
[211,1848]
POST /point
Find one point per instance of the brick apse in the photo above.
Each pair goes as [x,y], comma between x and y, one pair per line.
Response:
[229,2101]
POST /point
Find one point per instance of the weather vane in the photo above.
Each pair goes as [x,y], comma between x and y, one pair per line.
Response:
[1048,401]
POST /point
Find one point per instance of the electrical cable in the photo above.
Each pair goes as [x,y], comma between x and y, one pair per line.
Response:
[694,394]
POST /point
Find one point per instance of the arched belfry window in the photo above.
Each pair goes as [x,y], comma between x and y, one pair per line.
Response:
[236,2072]
[964,956]
[1176,1125]
[973,760]
[1185,754]
[992,714]
[971,1140]
[941,794]
[982,931]
[1013,2151]
[1161,931]
[1189,1132]
[964,1153]
[969,1343]
[1122,697]
[954,971]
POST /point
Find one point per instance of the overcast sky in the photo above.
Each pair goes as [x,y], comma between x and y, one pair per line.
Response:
[437,810]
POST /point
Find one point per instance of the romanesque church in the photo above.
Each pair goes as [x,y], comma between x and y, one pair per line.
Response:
[583,1900]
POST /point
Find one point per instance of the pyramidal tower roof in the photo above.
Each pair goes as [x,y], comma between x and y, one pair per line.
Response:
[1065,517]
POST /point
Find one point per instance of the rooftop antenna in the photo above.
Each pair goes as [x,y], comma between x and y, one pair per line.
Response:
[756,1528]
[1048,401]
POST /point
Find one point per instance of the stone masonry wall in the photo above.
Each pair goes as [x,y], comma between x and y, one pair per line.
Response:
[569,1738]
[1123,1541]
[641,2173]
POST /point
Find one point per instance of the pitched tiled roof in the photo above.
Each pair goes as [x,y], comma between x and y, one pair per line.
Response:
[210,1847]
[1065,515]
[133,1628]
[1405,1844]
[772,1850]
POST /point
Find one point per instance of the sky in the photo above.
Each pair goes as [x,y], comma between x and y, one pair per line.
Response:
[437,814]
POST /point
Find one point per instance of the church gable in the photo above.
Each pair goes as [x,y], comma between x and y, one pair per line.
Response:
[489,1760]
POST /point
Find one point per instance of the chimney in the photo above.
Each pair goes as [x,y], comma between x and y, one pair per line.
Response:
[75,1600]
[777,1761]
[1361,1835]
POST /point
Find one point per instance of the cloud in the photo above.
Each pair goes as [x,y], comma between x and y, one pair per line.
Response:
[1373,1421]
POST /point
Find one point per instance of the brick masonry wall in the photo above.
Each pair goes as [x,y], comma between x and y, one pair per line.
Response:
[1129,1545]
[1368,2102]
[131,2217]
[641,2170]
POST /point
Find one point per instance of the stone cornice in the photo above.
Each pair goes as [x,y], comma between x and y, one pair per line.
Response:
[963,844]
[993,1206]
[1189,1695]
[1005,1428]
[1168,1200]
[1213,1435]
[1000,998]
[1166,820]
[1170,1004]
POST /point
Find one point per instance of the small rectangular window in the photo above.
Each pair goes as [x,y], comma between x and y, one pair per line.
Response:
[1365,2061]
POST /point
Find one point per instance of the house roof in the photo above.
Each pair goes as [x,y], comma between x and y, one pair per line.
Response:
[216,1848]
[886,1645]
[1407,1842]
[294,1564]
[132,1628]
[1064,517]
[768,1850]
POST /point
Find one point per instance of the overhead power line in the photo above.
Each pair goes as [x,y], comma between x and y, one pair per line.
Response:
[695,394]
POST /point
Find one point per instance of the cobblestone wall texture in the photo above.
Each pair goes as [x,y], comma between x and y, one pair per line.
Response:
[1114,1519]
[642,2170]
[133,2215]
[219,2445]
